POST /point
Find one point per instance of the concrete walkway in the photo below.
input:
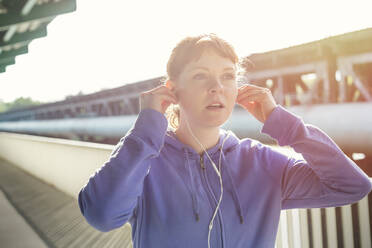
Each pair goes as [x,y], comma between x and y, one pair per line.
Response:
[53,215]
[14,230]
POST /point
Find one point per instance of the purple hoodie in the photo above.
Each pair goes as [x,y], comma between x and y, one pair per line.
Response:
[168,192]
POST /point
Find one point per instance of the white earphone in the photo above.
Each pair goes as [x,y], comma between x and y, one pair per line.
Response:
[218,171]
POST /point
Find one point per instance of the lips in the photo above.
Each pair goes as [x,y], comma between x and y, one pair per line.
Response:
[215,105]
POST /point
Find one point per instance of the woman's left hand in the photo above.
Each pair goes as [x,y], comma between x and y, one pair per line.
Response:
[258,101]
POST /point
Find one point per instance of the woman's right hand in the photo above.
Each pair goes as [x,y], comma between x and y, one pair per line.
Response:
[158,99]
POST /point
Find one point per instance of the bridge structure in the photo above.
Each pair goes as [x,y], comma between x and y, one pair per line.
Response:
[327,82]
[337,69]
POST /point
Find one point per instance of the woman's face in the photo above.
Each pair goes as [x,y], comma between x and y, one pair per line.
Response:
[203,82]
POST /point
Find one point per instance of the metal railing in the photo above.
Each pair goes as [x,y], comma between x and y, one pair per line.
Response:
[346,226]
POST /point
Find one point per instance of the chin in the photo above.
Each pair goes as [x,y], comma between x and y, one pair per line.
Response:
[216,122]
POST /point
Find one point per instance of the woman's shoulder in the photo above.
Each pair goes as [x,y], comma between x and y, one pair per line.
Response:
[253,147]
[242,143]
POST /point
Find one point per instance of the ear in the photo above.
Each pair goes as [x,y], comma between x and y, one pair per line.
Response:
[169,84]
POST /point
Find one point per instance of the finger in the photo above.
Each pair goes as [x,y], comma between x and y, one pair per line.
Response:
[169,99]
[251,93]
[250,89]
[251,86]
[246,103]
[251,107]
[162,90]
[255,86]
[154,89]
[246,91]
[170,94]
[252,97]
[159,94]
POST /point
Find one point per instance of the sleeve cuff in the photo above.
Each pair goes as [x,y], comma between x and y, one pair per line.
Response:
[279,124]
[150,126]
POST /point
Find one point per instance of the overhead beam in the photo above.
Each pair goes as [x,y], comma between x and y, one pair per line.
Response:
[7,61]
[14,52]
[6,64]
[38,12]
[15,45]
[12,30]
[26,36]
[28,7]
[360,86]
[275,72]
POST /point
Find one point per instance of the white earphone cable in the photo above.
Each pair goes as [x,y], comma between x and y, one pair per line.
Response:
[218,171]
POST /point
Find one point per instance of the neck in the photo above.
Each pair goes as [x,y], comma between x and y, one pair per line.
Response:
[207,136]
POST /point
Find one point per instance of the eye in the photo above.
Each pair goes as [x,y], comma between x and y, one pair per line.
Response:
[228,76]
[199,76]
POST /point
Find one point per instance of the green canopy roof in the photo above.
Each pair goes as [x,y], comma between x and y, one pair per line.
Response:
[21,21]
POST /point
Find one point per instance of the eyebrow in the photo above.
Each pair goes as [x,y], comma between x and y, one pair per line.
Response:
[206,69]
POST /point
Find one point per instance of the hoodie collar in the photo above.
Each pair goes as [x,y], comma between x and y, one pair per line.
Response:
[187,151]
[232,140]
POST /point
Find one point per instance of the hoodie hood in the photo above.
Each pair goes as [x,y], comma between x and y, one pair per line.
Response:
[227,142]
[230,143]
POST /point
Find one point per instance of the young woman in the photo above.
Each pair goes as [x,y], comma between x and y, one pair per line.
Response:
[193,184]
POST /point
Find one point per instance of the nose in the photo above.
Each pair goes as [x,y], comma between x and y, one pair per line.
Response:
[215,86]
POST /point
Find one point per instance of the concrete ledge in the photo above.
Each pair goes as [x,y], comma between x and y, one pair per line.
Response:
[65,164]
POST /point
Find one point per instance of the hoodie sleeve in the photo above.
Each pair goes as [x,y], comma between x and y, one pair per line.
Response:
[108,199]
[326,177]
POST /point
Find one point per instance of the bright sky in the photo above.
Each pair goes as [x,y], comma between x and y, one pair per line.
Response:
[106,44]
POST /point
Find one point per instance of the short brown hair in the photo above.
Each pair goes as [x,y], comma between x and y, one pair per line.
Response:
[189,49]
